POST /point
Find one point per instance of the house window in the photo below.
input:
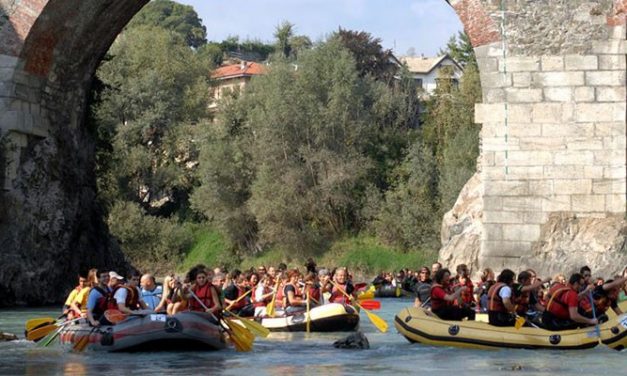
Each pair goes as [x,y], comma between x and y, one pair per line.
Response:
[419,83]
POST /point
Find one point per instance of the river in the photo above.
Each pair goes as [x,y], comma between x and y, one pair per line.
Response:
[307,354]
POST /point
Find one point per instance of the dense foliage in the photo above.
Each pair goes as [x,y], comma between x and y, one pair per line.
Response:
[331,144]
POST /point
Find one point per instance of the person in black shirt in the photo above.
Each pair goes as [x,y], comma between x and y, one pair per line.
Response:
[422,288]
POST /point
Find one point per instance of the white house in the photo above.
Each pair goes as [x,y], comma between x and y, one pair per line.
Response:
[426,70]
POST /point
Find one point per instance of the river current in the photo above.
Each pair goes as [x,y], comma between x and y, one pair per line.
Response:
[304,354]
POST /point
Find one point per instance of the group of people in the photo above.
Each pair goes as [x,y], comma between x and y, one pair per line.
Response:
[552,303]
[214,291]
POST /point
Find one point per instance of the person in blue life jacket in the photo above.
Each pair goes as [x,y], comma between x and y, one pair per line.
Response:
[151,293]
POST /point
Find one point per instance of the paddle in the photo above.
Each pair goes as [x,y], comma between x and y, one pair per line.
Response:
[82,343]
[39,333]
[240,336]
[253,326]
[308,325]
[270,307]
[115,316]
[47,340]
[238,299]
[38,322]
[597,330]
[377,321]
[371,304]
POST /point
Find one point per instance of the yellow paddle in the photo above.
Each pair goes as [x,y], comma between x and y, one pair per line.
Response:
[39,333]
[376,320]
[82,343]
[270,307]
[240,336]
[38,322]
[238,299]
[253,326]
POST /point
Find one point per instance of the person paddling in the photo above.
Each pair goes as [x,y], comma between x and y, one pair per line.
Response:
[68,311]
[561,311]
[206,299]
[341,282]
[442,299]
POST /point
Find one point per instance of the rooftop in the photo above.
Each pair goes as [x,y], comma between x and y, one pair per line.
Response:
[238,70]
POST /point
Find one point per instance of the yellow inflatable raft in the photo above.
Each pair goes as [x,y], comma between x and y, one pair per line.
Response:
[423,327]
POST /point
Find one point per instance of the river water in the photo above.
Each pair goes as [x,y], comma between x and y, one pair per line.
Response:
[306,354]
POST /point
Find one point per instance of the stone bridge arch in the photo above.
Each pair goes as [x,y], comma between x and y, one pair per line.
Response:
[50,224]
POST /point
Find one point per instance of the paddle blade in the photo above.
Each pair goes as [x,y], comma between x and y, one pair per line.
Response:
[114,316]
[256,328]
[49,338]
[270,309]
[253,326]
[377,321]
[39,322]
[82,343]
[241,337]
[371,304]
[39,333]
[520,321]
[365,295]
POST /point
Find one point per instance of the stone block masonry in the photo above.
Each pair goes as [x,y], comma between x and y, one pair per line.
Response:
[553,135]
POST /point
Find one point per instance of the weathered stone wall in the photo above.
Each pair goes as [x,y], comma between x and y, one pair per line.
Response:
[553,136]
[50,225]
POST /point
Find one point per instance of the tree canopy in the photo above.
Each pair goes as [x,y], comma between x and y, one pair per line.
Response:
[173,16]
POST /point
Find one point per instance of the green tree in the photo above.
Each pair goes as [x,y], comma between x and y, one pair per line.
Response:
[460,49]
[156,88]
[173,16]
[283,33]
[368,53]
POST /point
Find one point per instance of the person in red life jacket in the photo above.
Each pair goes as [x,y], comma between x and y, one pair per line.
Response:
[284,279]
[587,285]
[604,297]
[313,288]
[100,300]
[466,299]
[204,291]
[442,299]
[293,297]
[68,312]
[501,309]
[561,312]
[341,284]
[235,300]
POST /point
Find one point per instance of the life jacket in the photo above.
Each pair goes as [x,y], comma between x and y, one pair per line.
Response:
[132,297]
[521,301]
[466,296]
[557,294]
[337,296]
[314,294]
[278,300]
[104,302]
[495,302]
[298,293]
[437,302]
[204,294]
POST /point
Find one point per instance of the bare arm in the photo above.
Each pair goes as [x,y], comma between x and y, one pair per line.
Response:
[575,316]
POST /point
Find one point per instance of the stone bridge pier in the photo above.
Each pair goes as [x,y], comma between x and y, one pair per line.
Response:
[552,166]
[553,139]
[50,225]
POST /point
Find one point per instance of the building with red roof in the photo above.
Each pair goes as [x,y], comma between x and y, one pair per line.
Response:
[233,77]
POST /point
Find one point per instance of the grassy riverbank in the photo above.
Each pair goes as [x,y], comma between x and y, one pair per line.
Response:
[362,254]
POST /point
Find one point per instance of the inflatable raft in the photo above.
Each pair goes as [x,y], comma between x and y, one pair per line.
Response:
[388,291]
[418,326]
[150,332]
[332,317]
